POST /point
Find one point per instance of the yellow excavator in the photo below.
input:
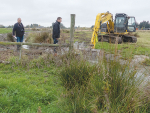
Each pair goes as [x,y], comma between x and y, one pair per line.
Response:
[107,30]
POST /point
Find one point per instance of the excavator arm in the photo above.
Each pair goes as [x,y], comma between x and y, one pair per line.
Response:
[100,19]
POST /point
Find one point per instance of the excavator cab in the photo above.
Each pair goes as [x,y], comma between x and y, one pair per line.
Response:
[124,23]
[131,24]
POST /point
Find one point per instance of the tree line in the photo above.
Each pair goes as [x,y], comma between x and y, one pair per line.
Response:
[144,24]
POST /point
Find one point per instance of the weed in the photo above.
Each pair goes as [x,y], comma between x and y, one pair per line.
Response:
[146,62]
[106,86]
[43,37]
[10,37]
[65,31]
[76,73]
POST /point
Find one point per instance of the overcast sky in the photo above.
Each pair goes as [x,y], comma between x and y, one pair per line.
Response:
[44,12]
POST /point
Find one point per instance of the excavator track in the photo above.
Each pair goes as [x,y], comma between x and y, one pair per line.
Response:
[110,39]
[117,39]
[127,38]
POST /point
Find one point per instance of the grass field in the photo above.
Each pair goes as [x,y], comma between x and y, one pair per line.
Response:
[25,90]
[5,30]
[142,47]
[69,84]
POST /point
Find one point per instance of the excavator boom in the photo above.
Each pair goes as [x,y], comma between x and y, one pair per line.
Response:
[100,19]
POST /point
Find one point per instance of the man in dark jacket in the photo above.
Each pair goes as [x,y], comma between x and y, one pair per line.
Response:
[18,32]
[56,30]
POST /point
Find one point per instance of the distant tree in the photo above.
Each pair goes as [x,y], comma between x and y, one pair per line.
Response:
[144,24]
[52,24]
[1,26]
[137,24]
[10,26]
[61,25]
[92,26]
[27,26]
[75,27]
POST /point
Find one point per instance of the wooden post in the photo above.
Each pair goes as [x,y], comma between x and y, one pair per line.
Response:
[72,30]
[20,51]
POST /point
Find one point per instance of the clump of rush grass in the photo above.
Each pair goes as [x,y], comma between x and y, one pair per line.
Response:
[146,62]
[65,31]
[43,37]
[10,37]
[103,87]
[118,87]
[76,74]
[35,29]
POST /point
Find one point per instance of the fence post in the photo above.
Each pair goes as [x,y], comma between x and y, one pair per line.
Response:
[20,51]
[72,31]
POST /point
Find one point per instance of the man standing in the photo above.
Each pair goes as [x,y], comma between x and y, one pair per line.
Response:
[19,31]
[56,30]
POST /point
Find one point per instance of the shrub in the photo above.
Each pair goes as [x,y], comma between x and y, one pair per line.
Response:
[65,31]
[35,29]
[146,62]
[103,87]
[43,37]
[10,38]
[119,88]
[76,73]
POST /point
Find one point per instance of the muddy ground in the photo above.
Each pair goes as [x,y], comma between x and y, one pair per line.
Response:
[3,37]
[34,52]
[92,55]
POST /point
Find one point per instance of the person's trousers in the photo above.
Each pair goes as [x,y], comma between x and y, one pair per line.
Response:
[19,39]
[55,42]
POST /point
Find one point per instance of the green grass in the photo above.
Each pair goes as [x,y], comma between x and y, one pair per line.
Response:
[146,62]
[24,91]
[80,36]
[125,50]
[111,87]
[69,84]
[142,47]
[5,30]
